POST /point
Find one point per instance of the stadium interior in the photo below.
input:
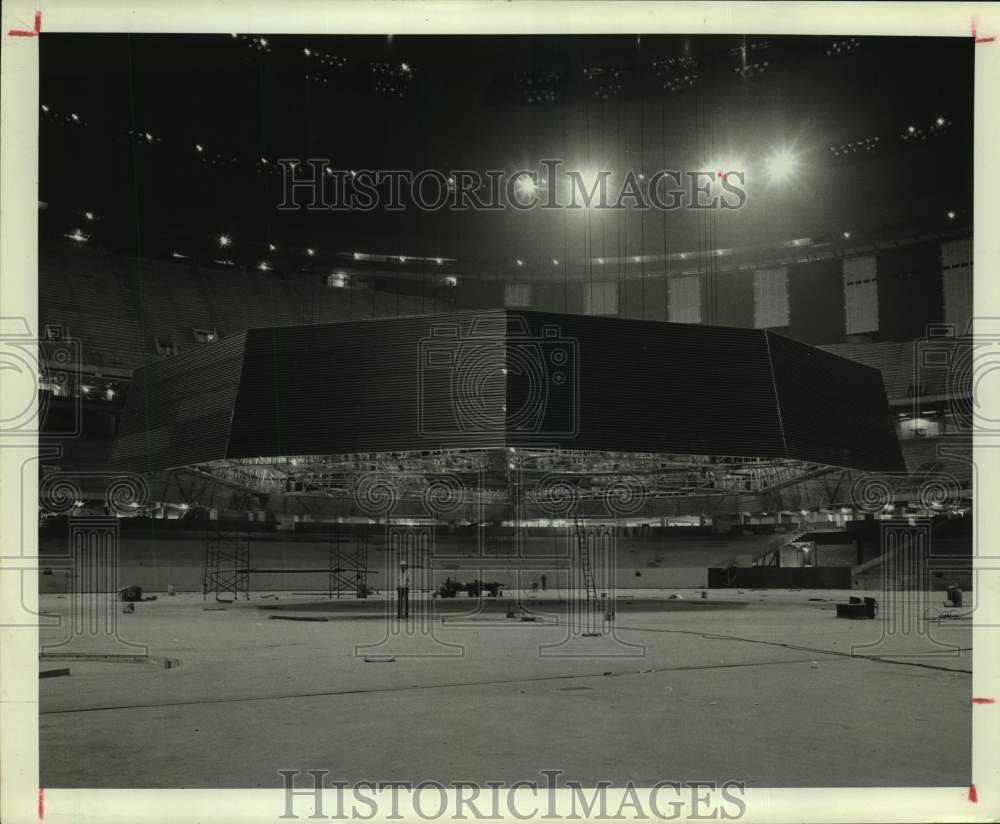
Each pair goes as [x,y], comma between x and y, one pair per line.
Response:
[709,565]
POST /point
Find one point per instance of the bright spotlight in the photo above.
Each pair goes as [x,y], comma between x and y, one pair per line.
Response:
[224,240]
[782,164]
[525,185]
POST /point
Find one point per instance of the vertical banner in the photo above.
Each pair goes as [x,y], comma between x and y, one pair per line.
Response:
[905,607]
[94,608]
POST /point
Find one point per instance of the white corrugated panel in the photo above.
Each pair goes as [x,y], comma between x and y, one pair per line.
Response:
[600,298]
[684,295]
[770,298]
[860,295]
[517,294]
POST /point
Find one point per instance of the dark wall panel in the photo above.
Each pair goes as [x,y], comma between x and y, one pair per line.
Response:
[658,387]
[178,410]
[406,383]
[833,411]
[506,378]
[734,299]
[816,302]
[909,291]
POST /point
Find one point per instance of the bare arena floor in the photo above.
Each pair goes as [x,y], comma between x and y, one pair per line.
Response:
[752,686]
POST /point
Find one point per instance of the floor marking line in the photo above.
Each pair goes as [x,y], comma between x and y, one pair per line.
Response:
[800,648]
[449,685]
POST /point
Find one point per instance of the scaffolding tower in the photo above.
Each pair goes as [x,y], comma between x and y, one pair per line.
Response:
[225,566]
[348,563]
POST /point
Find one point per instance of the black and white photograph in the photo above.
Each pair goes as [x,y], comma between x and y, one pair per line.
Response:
[454,420]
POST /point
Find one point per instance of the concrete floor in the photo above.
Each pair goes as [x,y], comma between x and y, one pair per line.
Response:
[757,687]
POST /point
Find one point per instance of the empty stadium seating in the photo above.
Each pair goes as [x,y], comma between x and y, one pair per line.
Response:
[127,311]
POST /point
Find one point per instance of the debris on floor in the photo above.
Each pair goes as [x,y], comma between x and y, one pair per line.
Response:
[858,608]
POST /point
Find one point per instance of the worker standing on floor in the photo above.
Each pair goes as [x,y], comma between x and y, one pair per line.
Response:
[403,592]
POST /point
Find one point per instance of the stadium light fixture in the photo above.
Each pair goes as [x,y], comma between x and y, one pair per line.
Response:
[782,164]
[526,185]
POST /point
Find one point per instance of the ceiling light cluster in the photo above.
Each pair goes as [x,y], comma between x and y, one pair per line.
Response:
[540,86]
[839,48]
[862,145]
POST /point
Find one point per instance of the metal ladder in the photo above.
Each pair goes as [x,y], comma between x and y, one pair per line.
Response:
[586,567]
